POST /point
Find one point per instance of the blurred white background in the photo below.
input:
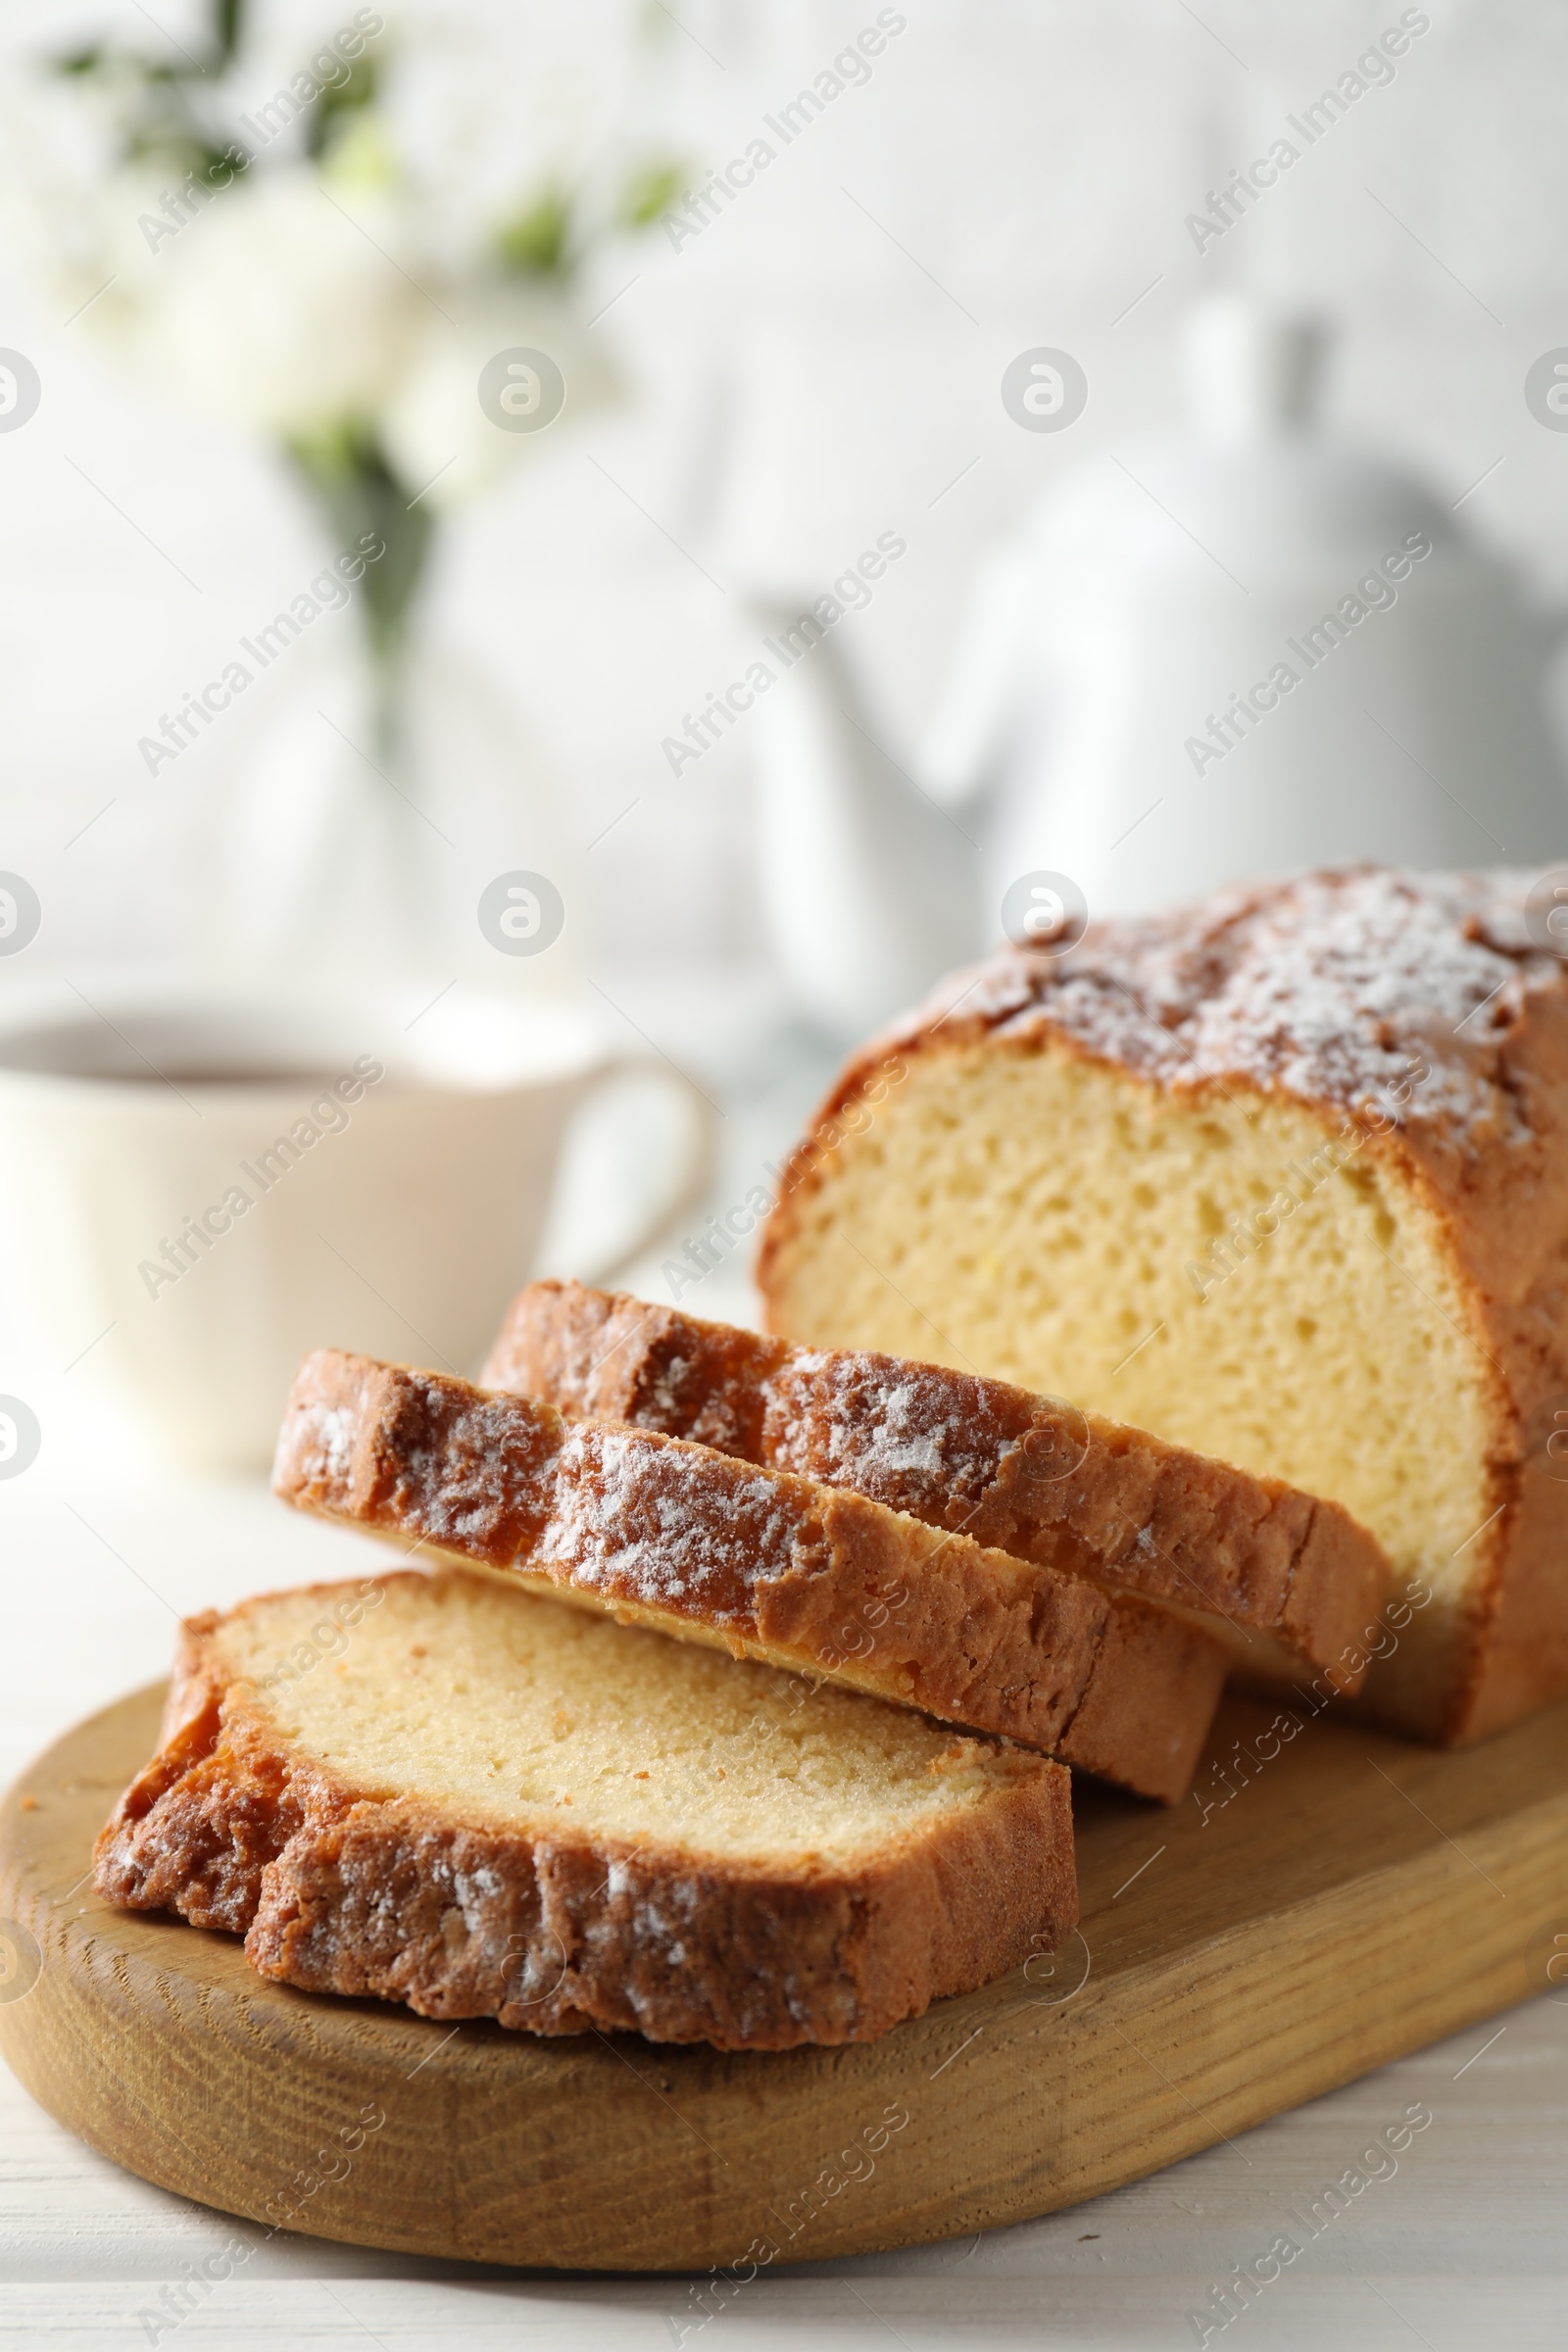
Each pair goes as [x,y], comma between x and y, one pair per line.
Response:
[820,365]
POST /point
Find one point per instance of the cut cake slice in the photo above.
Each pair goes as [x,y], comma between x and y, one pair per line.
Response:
[758,1561]
[484,1804]
[1298,1581]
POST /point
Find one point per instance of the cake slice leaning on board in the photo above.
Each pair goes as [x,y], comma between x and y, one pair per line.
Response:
[486,1805]
[1282,1176]
[1295,1583]
[759,1562]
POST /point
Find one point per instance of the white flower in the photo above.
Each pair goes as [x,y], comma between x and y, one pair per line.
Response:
[281,306]
[435,429]
[67,209]
[361,288]
[489,110]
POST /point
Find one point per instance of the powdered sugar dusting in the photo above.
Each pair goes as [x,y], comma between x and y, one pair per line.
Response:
[1336,987]
[630,1521]
[914,1440]
[665,1388]
[322,1434]
[911,1433]
[334,1435]
[665,1913]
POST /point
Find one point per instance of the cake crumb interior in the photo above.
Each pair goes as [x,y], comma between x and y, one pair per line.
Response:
[498,1703]
[1043,1218]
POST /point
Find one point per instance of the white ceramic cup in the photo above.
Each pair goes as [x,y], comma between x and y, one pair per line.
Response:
[194,1194]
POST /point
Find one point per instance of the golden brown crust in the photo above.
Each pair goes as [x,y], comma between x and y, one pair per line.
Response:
[197,1829]
[775,1565]
[604,1355]
[1022,1474]
[340,1891]
[1323,991]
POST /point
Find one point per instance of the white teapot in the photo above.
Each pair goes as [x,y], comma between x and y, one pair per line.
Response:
[1244,650]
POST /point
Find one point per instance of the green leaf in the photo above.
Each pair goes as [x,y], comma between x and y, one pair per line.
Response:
[650,190]
[227,25]
[339,102]
[178,153]
[361,497]
[533,243]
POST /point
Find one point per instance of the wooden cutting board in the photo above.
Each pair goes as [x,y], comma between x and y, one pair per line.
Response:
[1351,1899]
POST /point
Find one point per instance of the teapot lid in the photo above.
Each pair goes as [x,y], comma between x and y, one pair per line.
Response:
[1250,487]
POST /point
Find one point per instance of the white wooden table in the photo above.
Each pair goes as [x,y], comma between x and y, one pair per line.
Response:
[1466,2245]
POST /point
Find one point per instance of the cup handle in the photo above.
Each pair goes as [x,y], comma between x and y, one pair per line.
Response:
[695,1179]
